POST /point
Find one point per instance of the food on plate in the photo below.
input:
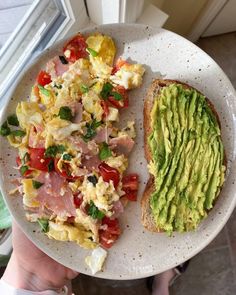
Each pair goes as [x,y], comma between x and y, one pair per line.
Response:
[72,156]
[185,155]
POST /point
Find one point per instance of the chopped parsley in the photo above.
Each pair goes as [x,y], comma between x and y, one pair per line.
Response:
[26,158]
[51,166]
[43,90]
[84,88]
[105,151]
[63,60]
[65,113]
[43,224]
[91,51]
[67,157]
[19,133]
[107,91]
[23,169]
[94,212]
[12,120]
[53,150]
[5,129]
[93,179]
[91,130]
[37,184]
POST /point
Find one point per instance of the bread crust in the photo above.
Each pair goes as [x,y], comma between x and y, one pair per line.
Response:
[146,217]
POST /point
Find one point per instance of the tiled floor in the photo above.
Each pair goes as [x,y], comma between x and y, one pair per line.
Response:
[213,271]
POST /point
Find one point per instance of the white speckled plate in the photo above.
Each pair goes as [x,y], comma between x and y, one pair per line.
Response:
[139,253]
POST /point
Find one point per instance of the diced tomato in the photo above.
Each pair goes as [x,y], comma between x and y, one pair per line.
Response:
[130,186]
[120,62]
[43,78]
[108,236]
[109,173]
[123,103]
[105,108]
[66,173]
[78,199]
[75,48]
[19,164]
[38,160]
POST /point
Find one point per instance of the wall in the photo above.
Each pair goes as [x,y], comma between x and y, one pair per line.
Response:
[182,13]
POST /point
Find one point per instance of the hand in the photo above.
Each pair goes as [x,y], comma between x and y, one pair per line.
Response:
[31,269]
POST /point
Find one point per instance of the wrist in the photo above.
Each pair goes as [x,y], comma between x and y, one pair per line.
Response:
[20,278]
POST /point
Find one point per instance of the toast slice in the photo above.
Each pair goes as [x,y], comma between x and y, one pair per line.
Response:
[146,217]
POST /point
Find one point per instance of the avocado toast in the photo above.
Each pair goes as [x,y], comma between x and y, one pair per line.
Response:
[185,155]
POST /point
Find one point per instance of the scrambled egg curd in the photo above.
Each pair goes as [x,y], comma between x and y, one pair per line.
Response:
[72,159]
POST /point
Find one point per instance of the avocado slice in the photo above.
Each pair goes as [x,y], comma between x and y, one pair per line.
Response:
[187,158]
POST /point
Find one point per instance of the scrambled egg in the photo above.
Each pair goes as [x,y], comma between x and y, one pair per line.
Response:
[61,129]
[66,232]
[92,105]
[96,260]
[29,194]
[103,194]
[119,162]
[129,76]
[29,113]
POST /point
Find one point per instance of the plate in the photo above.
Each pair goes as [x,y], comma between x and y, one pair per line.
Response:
[139,253]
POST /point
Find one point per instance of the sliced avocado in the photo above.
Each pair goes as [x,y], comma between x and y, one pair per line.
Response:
[187,158]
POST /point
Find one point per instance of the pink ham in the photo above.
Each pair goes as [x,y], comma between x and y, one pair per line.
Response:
[91,163]
[122,144]
[102,135]
[117,209]
[55,194]
[35,141]
[77,112]
[56,68]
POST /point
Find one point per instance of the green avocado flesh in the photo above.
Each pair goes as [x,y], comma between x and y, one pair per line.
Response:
[187,158]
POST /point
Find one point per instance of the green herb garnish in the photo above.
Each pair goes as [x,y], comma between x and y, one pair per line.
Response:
[12,120]
[106,90]
[5,129]
[105,151]
[57,86]
[65,113]
[43,90]
[19,133]
[26,158]
[43,224]
[53,150]
[94,212]
[91,130]
[51,166]
[37,184]
[67,157]
[84,88]
[63,60]
[93,179]
[93,52]
[23,169]
[116,95]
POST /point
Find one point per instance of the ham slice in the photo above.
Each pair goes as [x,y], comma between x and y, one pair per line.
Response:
[56,68]
[78,110]
[118,208]
[122,144]
[55,194]
[102,135]
[91,163]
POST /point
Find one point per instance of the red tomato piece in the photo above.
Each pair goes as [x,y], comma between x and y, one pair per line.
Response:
[71,219]
[109,173]
[108,236]
[66,173]
[120,62]
[75,48]
[38,160]
[43,78]
[105,108]
[130,186]
[78,199]
[123,103]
